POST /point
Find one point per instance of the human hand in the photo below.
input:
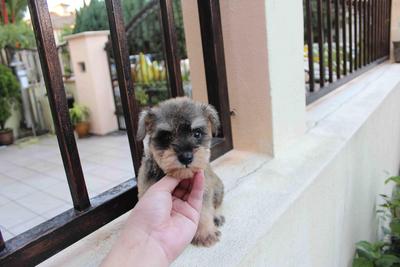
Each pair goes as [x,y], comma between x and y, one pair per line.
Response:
[162,223]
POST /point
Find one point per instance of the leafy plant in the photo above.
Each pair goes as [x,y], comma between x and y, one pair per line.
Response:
[9,94]
[141,95]
[384,253]
[16,9]
[374,255]
[79,113]
[18,35]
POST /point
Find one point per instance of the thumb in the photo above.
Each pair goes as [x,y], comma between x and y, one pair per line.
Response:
[196,195]
[167,183]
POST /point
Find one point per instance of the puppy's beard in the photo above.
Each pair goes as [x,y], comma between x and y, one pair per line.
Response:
[169,163]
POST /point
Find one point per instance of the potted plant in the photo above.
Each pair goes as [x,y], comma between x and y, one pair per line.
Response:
[9,96]
[396,51]
[79,115]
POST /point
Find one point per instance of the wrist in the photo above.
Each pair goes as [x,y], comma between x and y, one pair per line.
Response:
[137,248]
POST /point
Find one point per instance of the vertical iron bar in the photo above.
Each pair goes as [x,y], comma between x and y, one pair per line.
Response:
[337,37]
[356,52]
[375,29]
[365,34]
[371,30]
[389,45]
[350,34]
[386,25]
[383,42]
[321,44]
[360,34]
[214,63]
[107,48]
[52,75]
[310,45]
[383,28]
[171,48]
[330,59]
[379,29]
[357,35]
[372,27]
[128,100]
[344,25]
[2,244]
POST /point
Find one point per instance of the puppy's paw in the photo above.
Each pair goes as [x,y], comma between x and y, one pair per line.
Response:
[206,240]
[219,220]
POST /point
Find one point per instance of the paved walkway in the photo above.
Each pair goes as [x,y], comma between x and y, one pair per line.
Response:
[33,186]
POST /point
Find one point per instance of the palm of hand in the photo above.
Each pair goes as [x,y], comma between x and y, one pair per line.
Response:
[171,219]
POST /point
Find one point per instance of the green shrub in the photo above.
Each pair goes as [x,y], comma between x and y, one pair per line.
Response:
[374,255]
[9,94]
[145,37]
[18,35]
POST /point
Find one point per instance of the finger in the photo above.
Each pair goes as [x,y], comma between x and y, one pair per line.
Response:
[183,188]
[185,184]
[179,192]
[167,183]
[183,209]
[195,198]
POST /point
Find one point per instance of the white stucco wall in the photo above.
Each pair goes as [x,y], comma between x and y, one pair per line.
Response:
[338,208]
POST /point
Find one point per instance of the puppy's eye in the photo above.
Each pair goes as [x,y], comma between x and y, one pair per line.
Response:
[165,136]
[197,133]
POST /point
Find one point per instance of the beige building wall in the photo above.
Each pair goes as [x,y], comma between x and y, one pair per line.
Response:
[395,24]
[92,79]
[256,72]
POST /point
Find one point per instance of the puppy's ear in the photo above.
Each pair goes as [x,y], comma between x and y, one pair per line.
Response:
[146,122]
[212,115]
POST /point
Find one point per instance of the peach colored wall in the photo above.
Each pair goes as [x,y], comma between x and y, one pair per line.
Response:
[93,87]
[395,27]
[194,50]
[246,65]
[257,70]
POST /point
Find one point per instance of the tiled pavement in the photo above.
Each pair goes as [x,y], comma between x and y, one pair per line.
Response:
[33,186]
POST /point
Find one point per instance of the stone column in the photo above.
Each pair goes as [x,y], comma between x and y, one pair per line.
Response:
[92,77]
[395,25]
[263,42]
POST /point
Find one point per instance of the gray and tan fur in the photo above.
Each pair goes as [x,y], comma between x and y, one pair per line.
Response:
[177,139]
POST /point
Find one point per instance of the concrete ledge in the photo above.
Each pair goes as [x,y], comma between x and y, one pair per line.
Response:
[311,203]
[84,34]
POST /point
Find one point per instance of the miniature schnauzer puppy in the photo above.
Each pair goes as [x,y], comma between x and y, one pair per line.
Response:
[177,139]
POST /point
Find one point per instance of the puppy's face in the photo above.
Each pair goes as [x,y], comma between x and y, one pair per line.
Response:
[178,135]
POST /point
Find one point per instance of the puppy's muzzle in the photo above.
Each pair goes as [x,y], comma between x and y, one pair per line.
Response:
[186,158]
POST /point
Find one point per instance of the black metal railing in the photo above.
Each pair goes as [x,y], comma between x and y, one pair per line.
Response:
[44,240]
[343,39]
[148,36]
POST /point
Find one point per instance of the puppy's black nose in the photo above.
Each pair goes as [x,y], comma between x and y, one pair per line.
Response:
[186,158]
